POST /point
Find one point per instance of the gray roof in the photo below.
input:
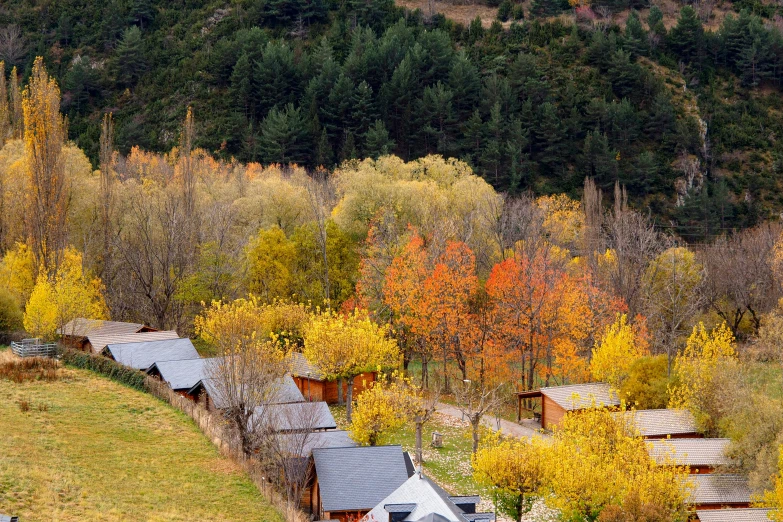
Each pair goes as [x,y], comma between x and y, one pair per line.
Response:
[424,495]
[734,515]
[294,416]
[480,517]
[581,396]
[183,374]
[300,366]
[287,391]
[101,341]
[81,327]
[142,355]
[318,439]
[690,452]
[358,478]
[8,518]
[433,517]
[719,488]
[659,423]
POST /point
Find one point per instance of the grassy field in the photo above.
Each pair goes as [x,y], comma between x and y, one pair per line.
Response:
[91,449]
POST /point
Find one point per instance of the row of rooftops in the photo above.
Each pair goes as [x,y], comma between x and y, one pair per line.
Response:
[380,480]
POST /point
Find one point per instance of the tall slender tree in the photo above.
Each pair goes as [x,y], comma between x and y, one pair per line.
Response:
[107,194]
[17,114]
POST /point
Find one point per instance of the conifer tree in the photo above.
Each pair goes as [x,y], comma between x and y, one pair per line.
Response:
[378,142]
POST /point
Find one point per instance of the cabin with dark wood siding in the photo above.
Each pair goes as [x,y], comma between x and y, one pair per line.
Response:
[76,333]
[556,401]
[314,387]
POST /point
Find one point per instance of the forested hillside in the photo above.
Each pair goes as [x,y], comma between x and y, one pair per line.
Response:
[685,118]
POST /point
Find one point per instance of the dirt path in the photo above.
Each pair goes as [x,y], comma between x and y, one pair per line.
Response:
[525,430]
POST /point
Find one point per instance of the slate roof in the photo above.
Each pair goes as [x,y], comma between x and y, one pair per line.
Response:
[81,327]
[690,452]
[719,488]
[659,423]
[287,392]
[424,495]
[358,478]
[295,416]
[734,515]
[318,439]
[100,341]
[581,396]
[300,366]
[183,374]
[8,518]
[142,355]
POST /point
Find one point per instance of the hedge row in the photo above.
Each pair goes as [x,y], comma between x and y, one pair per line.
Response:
[104,366]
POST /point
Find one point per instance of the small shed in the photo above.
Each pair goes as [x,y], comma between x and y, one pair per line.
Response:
[142,355]
[719,490]
[556,401]
[183,374]
[734,515]
[662,423]
[699,455]
[207,393]
[351,481]
[97,343]
[315,387]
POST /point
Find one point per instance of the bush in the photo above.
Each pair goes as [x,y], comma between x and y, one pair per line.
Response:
[10,312]
[518,13]
[504,11]
[647,383]
[107,367]
[29,369]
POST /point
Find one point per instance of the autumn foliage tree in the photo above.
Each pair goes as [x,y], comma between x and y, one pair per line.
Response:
[344,346]
[380,410]
[620,347]
[48,195]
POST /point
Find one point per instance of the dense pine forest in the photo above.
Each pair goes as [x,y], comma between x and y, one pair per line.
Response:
[682,115]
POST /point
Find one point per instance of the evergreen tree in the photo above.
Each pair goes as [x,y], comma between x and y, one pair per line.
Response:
[130,61]
[465,82]
[363,111]
[324,157]
[437,119]
[654,17]
[276,77]
[378,143]
[686,37]
[349,148]
[635,42]
[599,160]
[551,135]
[284,136]
[473,131]
[624,74]
[242,85]
[492,155]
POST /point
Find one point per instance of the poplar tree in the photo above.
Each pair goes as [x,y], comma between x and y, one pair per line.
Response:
[17,115]
[5,110]
[48,191]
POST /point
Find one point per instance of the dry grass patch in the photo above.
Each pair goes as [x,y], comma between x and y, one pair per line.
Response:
[100,451]
[19,370]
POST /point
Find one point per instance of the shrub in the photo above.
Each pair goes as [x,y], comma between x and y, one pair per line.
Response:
[10,312]
[104,366]
[24,405]
[504,10]
[518,13]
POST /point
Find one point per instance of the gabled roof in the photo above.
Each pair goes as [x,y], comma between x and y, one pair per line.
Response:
[424,496]
[294,416]
[659,423]
[144,354]
[734,515]
[690,452]
[300,367]
[287,391]
[183,374]
[8,518]
[352,479]
[581,396]
[318,439]
[100,341]
[719,488]
[81,327]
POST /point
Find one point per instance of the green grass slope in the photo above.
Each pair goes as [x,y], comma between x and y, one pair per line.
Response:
[91,449]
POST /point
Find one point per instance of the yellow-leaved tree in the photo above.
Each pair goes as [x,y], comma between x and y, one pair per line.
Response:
[17,272]
[774,498]
[68,294]
[613,356]
[695,369]
[380,410]
[594,463]
[515,470]
[343,346]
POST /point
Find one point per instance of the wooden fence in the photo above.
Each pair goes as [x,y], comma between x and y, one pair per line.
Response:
[33,348]
[210,423]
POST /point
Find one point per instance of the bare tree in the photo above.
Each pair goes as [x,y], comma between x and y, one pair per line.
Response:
[107,197]
[475,401]
[421,411]
[13,45]
[321,197]
[739,279]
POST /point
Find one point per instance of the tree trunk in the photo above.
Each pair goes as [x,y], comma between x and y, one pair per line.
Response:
[419,452]
[425,374]
[475,422]
[349,399]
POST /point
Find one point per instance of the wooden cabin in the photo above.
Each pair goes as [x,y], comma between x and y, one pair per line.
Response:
[349,482]
[556,401]
[77,333]
[697,454]
[661,424]
[719,491]
[206,393]
[315,388]
[183,374]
